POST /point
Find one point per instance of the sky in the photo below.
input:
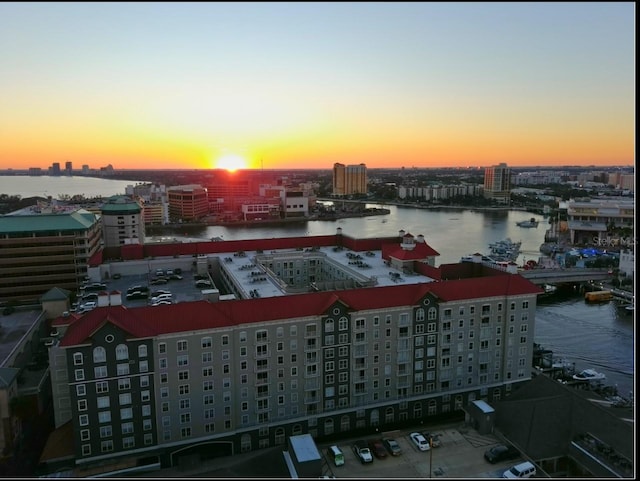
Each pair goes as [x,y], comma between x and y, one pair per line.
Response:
[305,85]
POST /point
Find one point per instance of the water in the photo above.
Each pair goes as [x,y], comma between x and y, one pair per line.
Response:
[451,232]
[53,186]
[591,335]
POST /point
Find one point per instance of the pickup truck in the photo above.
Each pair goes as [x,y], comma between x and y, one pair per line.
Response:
[362,451]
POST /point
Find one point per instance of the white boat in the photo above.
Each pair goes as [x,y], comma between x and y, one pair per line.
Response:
[528,223]
[589,375]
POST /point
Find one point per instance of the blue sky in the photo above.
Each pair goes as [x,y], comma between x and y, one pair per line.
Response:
[387,84]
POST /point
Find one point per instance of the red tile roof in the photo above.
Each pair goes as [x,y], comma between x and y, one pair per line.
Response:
[149,321]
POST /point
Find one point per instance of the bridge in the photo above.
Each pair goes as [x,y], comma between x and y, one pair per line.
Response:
[560,276]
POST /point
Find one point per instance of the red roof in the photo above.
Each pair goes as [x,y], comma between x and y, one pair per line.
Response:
[149,321]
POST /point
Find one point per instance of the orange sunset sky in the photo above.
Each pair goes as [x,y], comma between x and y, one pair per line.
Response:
[304,85]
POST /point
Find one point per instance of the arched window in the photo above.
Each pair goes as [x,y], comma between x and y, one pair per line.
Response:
[328,325]
[375,418]
[122,352]
[433,313]
[420,314]
[389,415]
[99,354]
[328,426]
[279,435]
[417,410]
[345,423]
[297,429]
[142,350]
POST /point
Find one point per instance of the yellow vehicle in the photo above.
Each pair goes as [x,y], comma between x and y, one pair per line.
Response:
[598,296]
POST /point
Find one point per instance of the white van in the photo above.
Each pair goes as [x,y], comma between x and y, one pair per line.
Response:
[522,470]
[336,455]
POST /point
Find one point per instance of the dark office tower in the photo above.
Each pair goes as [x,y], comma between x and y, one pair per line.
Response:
[55,168]
[68,168]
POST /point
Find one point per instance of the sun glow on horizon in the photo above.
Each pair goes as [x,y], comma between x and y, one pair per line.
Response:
[231,162]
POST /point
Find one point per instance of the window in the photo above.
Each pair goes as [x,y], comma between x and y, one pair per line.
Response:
[143,366]
[77,358]
[185,403]
[102,387]
[83,420]
[183,389]
[106,446]
[185,418]
[181,345]
[205,342]
[207,371]
[128,442]
[103,402]
[123,369]
[99,354]
[144,381]
[104,416]
[125,398]
[126,413]
[122,352]
[207,385]
[207,357]
[142,350]
[183,360]
[79,374]
[162,348]
[124,384]
[82,405]
[225,340]
[126,428]
[81,390]
[106,431]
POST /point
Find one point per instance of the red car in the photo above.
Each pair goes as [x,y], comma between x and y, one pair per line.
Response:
[377,448]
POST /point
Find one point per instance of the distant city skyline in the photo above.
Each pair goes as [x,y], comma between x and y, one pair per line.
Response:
[306,85]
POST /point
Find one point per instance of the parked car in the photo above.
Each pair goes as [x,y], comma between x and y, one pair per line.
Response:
[362,451]
[175,277]
[377,448]
[137,295]
[96,286]
[420,441]
[434,440]
[92,296]
[161,302]
[158,280]
[522,470]
[392,446]
[88,306]
[159,292]
[501,453]
[203,283]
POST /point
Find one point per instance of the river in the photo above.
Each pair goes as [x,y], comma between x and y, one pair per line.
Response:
[591,335]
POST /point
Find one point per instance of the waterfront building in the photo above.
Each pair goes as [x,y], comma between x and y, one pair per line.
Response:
[601,222]
[122,222]
[187,202]
[41,251]
[324,335]
[497,183]
[349,179]
[55,168]
[68,168]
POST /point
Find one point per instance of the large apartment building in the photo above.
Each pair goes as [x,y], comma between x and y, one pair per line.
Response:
[187,202]
[349,179]
[41,251]
[349,339]
[497,183]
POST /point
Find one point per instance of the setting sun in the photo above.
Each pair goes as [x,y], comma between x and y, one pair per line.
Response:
[231,162]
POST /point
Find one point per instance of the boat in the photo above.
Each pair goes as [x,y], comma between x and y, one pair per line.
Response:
[528,223]
[505,250]
[589,375]
[598,296]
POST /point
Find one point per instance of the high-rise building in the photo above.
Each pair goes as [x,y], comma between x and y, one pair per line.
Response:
[122,222]
[55,168]
[187,202]
[349,179]
[68,168]
[497,183]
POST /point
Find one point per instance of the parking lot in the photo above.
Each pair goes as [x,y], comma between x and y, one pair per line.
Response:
[182,290]
[460,455]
